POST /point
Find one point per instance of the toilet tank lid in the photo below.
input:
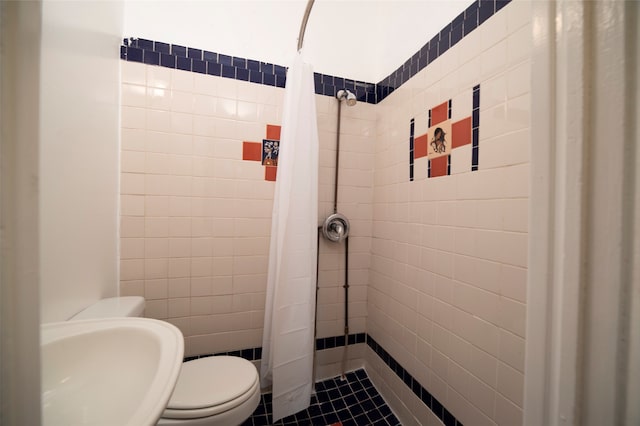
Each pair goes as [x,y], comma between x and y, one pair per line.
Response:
[126,306]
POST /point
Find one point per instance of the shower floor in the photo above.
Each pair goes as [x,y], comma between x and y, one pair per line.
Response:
[351,402]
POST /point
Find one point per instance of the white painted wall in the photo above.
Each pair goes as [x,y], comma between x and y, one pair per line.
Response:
[79,146]
[363,40]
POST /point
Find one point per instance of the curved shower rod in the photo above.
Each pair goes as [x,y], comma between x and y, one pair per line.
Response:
[303,26]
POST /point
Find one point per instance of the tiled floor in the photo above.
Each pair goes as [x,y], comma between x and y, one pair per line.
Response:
[351,402]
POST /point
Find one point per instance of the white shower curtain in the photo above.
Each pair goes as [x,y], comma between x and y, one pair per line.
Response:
[288,338]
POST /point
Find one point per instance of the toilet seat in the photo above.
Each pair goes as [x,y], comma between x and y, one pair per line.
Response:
[212,386]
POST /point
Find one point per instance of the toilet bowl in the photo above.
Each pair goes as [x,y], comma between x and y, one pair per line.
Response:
[216,390]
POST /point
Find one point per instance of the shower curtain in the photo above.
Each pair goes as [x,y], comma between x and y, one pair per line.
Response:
[288,338]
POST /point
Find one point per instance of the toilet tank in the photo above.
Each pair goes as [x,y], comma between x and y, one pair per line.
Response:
[127,306]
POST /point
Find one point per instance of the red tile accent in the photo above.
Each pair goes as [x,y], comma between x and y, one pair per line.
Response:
[420,145]
[440,113]
[273,132]
[271,172]
[439,166]
[252,151]
[461,133]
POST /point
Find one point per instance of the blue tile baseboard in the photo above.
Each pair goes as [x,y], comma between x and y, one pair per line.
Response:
[251,354]
[205,62]
[418,390]
[254,354]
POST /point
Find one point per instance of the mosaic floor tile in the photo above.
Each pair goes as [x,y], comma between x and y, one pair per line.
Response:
[350,402]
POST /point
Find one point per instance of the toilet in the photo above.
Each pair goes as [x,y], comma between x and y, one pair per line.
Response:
[215,390]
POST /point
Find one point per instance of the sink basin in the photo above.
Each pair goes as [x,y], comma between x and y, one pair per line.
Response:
[113,371]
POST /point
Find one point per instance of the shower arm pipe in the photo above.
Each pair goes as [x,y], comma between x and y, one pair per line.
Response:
[335,180]
[303,25]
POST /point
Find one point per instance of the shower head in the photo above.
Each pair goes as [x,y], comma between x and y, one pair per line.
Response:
[348,95]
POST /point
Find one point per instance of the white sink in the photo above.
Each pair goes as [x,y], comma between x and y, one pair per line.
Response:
[114,371]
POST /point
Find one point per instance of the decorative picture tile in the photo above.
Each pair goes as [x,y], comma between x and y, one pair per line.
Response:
[439,136]
[270,149]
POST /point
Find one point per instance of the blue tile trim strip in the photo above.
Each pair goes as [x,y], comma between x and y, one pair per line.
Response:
[254,354]
[411,153]
[337,341]
[251,354]
[418,390]
[212,63]
[475,128]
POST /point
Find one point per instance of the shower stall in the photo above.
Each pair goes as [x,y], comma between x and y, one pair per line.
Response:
[336,226]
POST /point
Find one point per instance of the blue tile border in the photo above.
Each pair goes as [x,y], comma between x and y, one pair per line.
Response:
[475,128]
[251,354]
[204,62]
[418,390]
[254,354]
[411,147]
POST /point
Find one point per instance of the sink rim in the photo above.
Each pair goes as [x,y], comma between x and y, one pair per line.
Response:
[151,405]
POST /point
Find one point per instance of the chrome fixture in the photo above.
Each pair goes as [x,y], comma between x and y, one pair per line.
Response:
[336,227]
[348,95]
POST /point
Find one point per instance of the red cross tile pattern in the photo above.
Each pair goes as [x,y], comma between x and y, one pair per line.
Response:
[421,146]
[461,133]
[252,151]
[439,113]
[442,138]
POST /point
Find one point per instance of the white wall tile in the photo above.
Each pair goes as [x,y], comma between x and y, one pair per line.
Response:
[134,73]
[512,316]
[461,160]
[512,350]
[515,41]
[159,120]
[505,150]
[134,95]
[507,413]
[130,226]
[132,248]
[510,383]
[133,139]
[182,80]
[493,30]
[513,282]
[493,60]
[132,205]
[158,77]
[132,183]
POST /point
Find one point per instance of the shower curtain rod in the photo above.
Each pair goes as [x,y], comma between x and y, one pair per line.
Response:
[303,25]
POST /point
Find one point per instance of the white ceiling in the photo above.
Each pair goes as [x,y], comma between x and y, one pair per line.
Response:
[359,39]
